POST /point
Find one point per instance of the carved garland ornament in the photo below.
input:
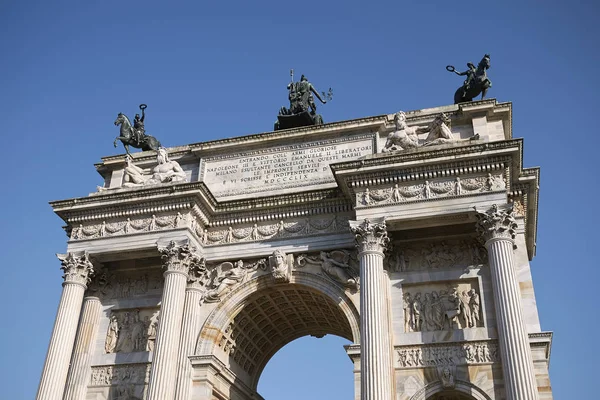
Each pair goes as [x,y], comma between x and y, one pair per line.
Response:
[431,190]
[278,230]
[77,269]
[370,236]
[129,226]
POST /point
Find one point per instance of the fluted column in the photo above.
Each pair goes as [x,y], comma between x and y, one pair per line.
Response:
[189,329]
[376,368]
[80,370]
[78,271]
[177,261]
[497,229]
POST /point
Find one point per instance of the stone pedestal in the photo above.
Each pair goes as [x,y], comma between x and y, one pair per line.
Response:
[376,366]
[189,331]
[498,229]
[77,270]
[177,262]
[79,372]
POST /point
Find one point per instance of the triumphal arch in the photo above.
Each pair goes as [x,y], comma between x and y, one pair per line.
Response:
[408,234]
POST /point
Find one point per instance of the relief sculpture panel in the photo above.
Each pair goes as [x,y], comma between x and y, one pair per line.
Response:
[108,285]
[436,355]
[435,255]
[442,306]
[131,331]
[125,381]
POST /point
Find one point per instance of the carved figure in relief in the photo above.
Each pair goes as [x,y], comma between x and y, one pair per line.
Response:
[336,269]
[125,340]
[112,335]
[151,333]
[137,333]
[228,275]
[366,197]
[446,375]
[166,171]
[404,137]
[396,197]
[427,190]
[465,309]
[474,304]
[418,312]
[439,311]
[335,264]
[281,265]
[407,306]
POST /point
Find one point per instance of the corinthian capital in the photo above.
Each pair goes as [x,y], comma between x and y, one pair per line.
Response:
[370,236]
[77,269]
[180,258]
[496,223]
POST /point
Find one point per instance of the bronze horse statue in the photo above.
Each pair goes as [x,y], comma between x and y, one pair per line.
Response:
[476,82]
[130,137]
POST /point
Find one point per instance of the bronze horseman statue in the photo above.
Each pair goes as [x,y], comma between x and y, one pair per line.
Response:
[135,135]
[475,83]
[303,110]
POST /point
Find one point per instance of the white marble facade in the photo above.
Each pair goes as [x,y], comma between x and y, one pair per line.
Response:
[419,255]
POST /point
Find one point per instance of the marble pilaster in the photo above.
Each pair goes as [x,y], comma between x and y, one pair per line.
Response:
[376,365]
[189,329]
[78,270]
[497,229]
[79,372]
[177,260]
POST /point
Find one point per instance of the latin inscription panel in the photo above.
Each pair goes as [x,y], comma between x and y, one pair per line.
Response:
[281,168]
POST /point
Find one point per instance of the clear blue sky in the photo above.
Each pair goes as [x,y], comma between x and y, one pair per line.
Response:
[216,71]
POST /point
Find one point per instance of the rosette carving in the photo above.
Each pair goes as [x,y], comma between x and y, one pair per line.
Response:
[496,223]
[371,236]
[77,269]
[180,258]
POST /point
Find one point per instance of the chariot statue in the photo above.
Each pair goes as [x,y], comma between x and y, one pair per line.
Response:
[476,81]
[135,136]
[302,110]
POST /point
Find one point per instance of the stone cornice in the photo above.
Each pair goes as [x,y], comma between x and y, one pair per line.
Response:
[197,197]
[431,155]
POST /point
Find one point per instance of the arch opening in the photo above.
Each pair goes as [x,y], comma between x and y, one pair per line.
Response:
[261,317]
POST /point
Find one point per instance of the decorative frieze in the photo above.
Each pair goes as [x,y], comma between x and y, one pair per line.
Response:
[108,285]
[130,226]
[282,229]
[435,355]
[436,307]
[434,255]
[131,330]
[431,189]
[109,375]
[77,269]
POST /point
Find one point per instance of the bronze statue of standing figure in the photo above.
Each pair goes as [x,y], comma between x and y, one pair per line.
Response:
[475,83]
[135,136]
